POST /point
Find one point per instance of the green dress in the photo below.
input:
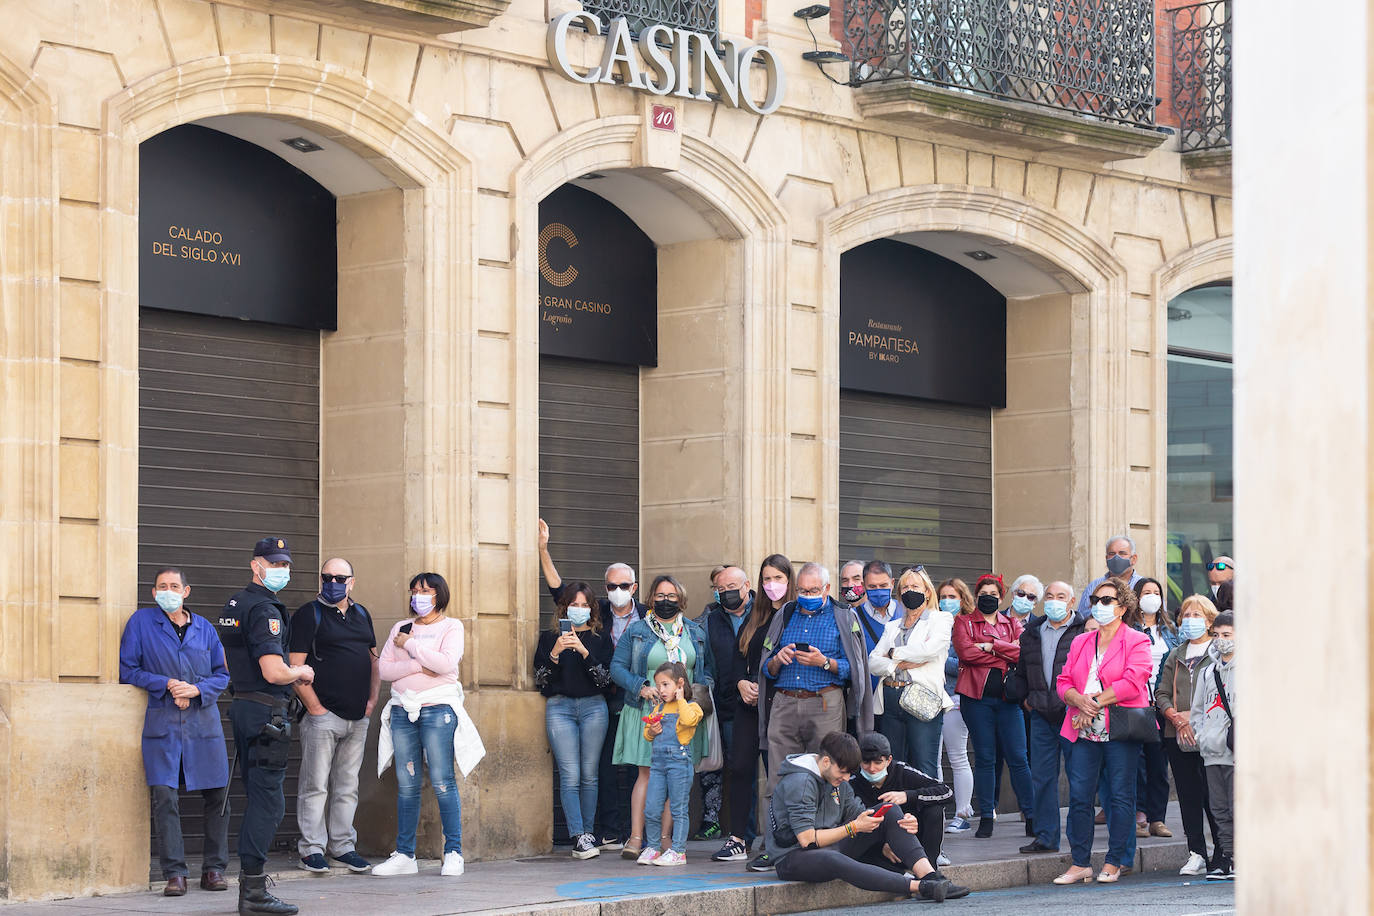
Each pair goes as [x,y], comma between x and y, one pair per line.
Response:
[631,748]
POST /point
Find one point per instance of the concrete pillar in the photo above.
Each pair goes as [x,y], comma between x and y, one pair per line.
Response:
[1303,465]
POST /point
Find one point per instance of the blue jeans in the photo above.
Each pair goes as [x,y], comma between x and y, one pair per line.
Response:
[994,724]
[670,779]
[577,729]
[1048,752]
[1088,762]
[913,741]
[432,734]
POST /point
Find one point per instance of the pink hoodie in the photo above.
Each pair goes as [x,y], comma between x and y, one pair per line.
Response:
[437,646]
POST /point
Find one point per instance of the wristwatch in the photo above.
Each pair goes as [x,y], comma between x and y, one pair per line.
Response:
[826,666]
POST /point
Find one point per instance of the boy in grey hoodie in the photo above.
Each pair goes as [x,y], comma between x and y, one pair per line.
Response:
[817,830]
[1214,698]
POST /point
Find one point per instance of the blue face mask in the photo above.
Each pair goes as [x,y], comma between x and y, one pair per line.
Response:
[879,597]
[811,602]
[333,592]
[1056,610]
[169,601]
[1104,613]
[274,578]
[1192,627]
[949,605]
[1022,606]
[579,615]
[875,777]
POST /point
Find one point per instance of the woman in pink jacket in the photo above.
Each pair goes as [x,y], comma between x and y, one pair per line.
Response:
[1107,672]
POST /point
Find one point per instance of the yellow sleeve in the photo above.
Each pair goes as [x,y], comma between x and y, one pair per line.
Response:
[688,713]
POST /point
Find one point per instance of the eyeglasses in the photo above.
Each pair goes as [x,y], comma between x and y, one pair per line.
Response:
[325,577]
[1031,595]
[1223,566]
[1105,600]
[810,592]
[623,586]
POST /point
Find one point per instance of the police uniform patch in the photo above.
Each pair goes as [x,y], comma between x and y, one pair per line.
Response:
[274,626]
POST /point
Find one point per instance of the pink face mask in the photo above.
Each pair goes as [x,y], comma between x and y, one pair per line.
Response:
[774,590]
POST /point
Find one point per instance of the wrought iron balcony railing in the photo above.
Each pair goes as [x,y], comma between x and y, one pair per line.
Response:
[1092,57]
[692,15]
[1202,74]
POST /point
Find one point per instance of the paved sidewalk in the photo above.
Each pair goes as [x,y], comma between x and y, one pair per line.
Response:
[607,885]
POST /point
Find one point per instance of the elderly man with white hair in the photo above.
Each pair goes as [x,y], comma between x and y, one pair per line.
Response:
[1121,560]
[1044,649]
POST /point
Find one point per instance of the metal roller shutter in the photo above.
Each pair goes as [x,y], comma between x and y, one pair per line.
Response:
[916,483]
[228,453]
[588,478]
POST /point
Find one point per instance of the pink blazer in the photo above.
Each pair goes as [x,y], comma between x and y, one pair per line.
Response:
[1125,666]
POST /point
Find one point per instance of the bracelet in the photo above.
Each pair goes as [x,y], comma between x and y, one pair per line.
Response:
[849,828]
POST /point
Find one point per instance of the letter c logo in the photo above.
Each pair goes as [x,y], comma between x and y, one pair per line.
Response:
[550,232]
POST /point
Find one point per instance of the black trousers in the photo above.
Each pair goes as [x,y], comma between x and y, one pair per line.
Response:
[1152,782]
[171,848]
[741,765]
[844,860]
[614,784]
[930,833]
[1190,779]
[263,770]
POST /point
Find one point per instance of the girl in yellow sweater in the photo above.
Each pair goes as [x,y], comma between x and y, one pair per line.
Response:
[670,728]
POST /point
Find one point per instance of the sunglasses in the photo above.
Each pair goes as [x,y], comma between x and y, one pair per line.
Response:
[325,577]
[623,586]
[1031,595]
[1105,600]
[1221,566]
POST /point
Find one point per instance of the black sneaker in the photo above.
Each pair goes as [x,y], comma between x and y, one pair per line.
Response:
[934,887]
[761,863]
[585,847]
[1037,846]
[314,862]
[708,831]
[610,843]
[952,891]
[732,851]
[984,828]
[356,863]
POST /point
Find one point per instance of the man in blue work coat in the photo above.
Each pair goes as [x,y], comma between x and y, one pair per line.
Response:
[253,627]
[176,656]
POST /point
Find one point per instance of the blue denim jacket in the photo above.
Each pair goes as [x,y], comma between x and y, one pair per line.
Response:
[631,660]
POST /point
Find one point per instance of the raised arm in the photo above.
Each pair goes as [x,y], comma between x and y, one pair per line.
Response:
[550,571]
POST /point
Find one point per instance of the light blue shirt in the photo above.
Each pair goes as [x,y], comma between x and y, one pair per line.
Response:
[1085,601]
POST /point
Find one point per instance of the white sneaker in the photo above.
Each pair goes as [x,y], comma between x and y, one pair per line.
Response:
[671,858]
[942,860]
[453,864]
[398,864]
[1196,866]
[647,856]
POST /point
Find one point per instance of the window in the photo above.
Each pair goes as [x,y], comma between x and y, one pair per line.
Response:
[1200,467]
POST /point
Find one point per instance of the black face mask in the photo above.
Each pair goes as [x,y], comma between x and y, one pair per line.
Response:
[731,599]
[913,599]
[988,603]
[665,608]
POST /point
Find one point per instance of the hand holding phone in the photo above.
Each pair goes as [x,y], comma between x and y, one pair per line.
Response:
[565,626]
[802,647]
[406,627]
[881,810]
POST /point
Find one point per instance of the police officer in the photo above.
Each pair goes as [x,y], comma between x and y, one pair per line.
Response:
[252,627]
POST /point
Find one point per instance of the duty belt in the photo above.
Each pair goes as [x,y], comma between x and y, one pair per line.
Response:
[265,699]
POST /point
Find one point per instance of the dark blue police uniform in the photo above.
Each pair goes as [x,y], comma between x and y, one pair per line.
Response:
[252,624]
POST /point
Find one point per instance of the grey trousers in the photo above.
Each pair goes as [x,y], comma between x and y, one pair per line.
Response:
[1221,797]
[171,847]
[327,792]
[796,725]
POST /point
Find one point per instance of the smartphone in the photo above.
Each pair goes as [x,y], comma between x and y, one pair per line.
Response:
[881,810]
[802,646]
[405,627]
[565,626]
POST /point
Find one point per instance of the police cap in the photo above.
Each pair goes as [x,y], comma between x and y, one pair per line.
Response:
[273,550]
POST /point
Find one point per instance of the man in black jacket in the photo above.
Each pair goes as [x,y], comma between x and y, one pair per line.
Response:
[1044,649]
[882,779]
[723,619]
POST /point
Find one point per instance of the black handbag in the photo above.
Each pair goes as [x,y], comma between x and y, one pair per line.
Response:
[1132,723]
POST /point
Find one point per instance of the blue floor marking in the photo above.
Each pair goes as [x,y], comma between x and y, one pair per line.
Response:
[654,884]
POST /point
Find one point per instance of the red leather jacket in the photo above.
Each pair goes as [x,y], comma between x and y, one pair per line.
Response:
[974,663]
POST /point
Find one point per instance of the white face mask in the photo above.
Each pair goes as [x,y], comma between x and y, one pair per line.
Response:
[618,596]
[1149,604]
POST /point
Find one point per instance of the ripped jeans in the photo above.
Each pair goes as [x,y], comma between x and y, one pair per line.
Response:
[434,734]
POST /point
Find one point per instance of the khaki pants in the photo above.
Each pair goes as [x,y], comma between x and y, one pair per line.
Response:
[796,725]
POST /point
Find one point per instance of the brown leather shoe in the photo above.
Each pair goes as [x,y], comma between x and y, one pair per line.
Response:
[176,887]
[213,881]
[1157,828]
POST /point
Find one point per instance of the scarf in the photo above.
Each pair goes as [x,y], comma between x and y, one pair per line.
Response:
[670,634]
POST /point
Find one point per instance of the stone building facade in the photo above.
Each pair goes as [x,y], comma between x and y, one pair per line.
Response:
[429,388]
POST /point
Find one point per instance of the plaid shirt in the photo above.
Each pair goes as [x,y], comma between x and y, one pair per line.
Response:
[818,629]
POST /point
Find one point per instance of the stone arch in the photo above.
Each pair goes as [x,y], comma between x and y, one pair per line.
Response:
[30,358]
[723,190]
[1096,281]
[428,168]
